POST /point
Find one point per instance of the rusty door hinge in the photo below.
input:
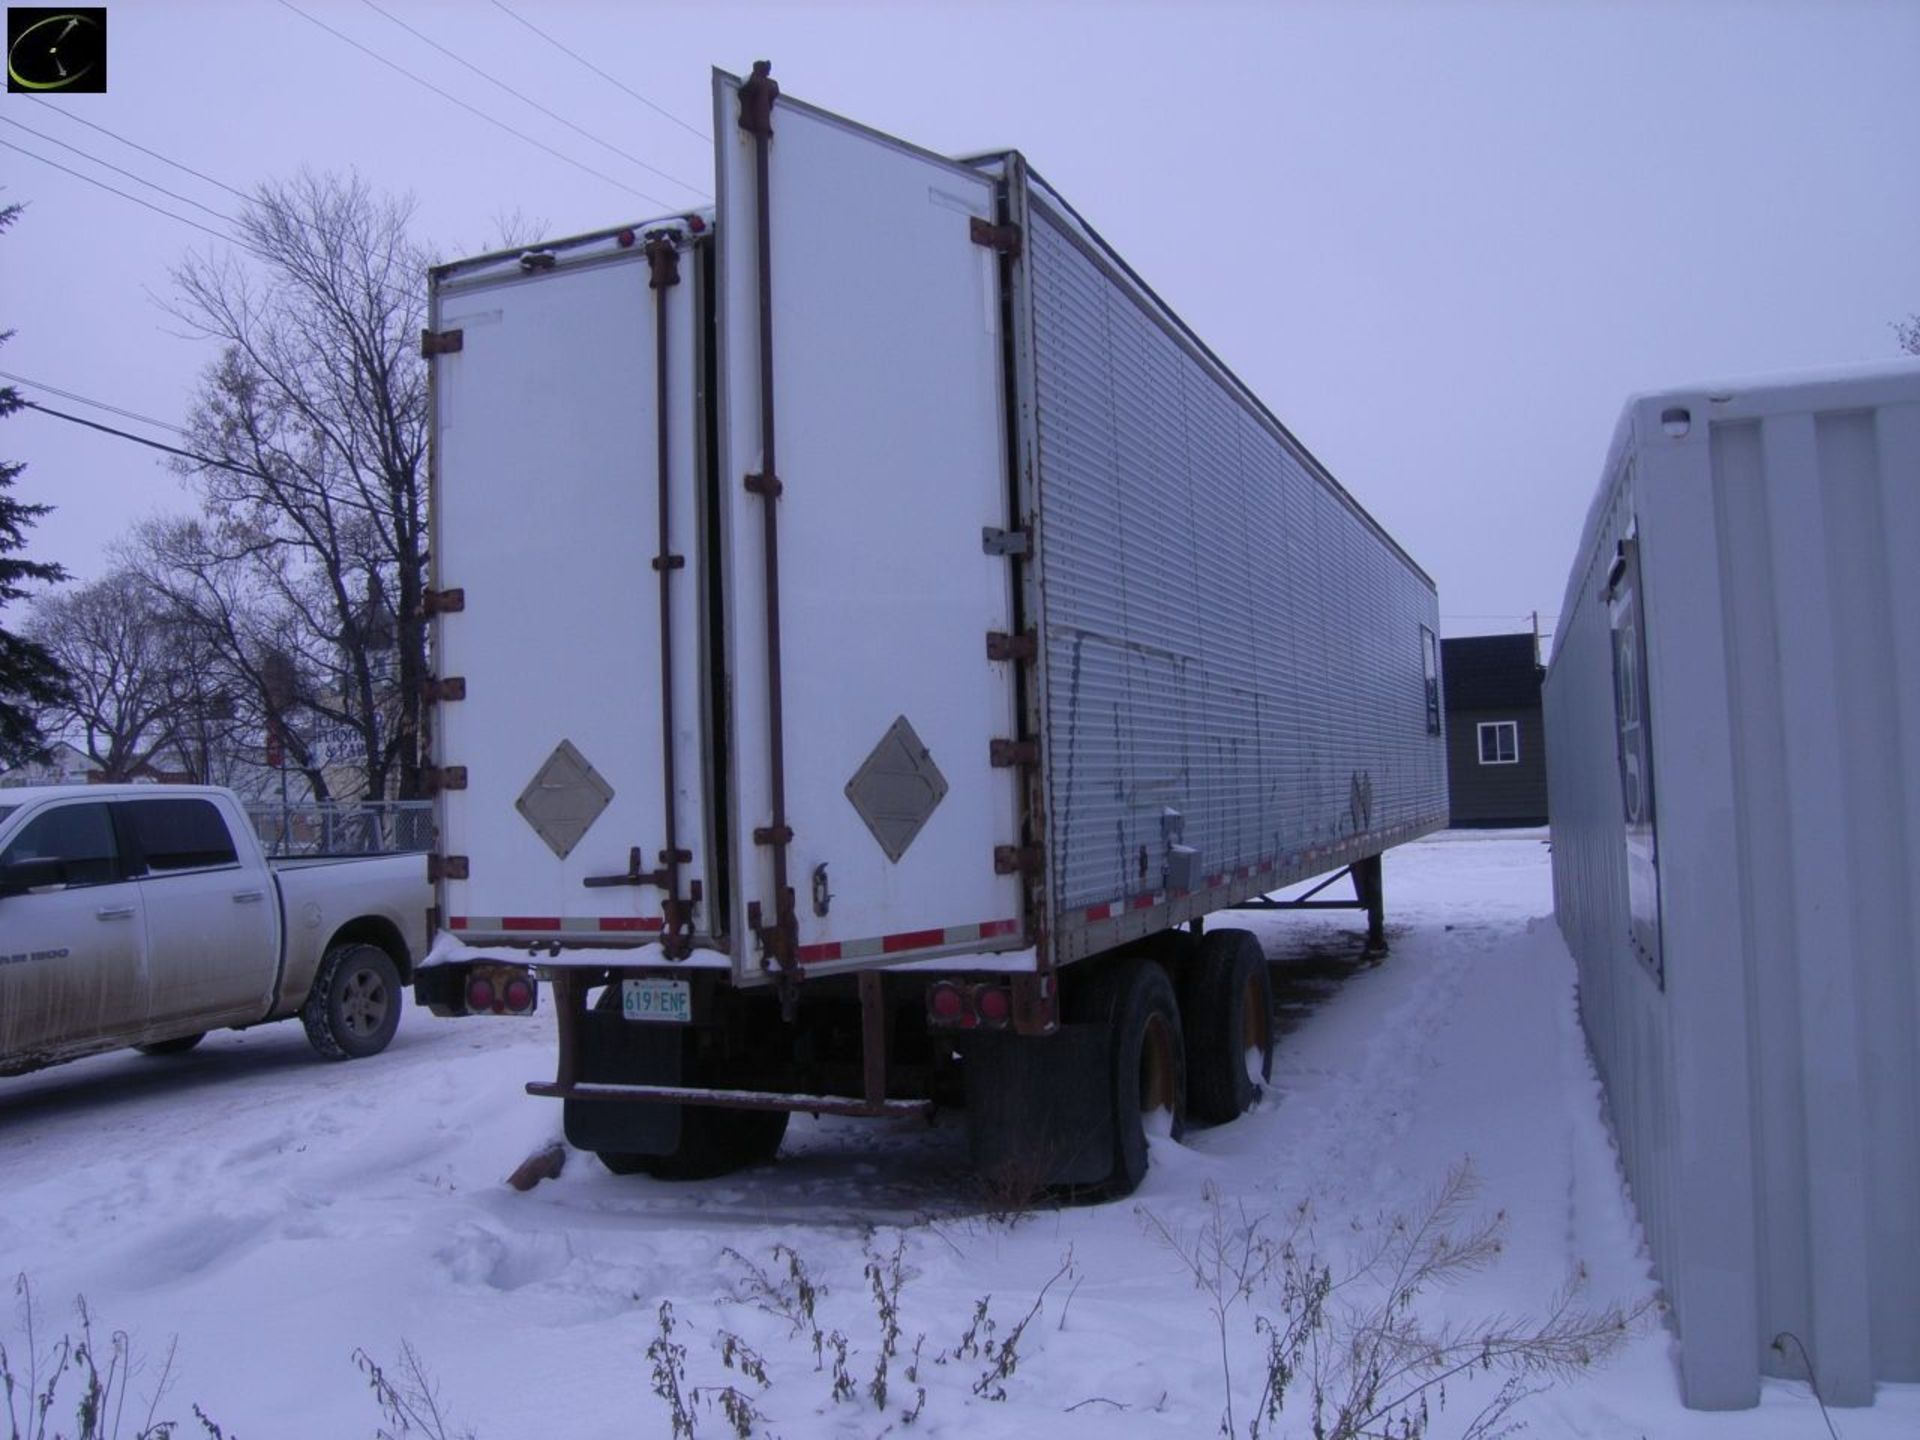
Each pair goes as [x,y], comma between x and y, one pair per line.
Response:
[1007,753]
[446,777]
[773,835]
[446,867]
[757,94]
[767,485]
[1001,646]
[1004,238]
[454,687]
[441,342]
[442,602]
[1017,859]
[1010,543]
[663,260]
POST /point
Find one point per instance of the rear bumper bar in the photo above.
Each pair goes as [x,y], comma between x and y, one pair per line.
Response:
[729,1099]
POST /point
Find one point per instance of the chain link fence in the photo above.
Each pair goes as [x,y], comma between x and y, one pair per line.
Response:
[375,827]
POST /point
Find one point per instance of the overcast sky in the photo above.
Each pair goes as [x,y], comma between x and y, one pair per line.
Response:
[1442,241]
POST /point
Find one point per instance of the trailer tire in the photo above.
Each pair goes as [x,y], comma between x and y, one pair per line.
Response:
[354,1006]
[713,1141]
[1135,1000]
[1229,1027]
[179,1045]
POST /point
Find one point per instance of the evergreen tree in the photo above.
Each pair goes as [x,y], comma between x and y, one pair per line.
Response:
[30,678]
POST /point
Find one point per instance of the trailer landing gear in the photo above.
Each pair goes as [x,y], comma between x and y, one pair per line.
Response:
[1368,895]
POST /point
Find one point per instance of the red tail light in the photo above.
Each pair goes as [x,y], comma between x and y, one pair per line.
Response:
[946,1004]
[479,994]
[519,995]
[994,1004]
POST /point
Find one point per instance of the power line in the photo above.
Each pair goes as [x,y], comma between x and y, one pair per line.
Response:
[499,5]
[88,400]
[529,100]
[138,179]
[217,234]
[143,440]
[474,109]
[235,240]
[135,144]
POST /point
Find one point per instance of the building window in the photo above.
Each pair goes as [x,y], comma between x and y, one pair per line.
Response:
[1430,670]
[1500,742]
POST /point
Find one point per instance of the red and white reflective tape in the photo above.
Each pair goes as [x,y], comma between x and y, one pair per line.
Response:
[558,924]
[906,940]
[1220,880]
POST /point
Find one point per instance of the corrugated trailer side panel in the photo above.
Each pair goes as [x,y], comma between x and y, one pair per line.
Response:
[1227,636]
[1777,1106]
[1623,1009]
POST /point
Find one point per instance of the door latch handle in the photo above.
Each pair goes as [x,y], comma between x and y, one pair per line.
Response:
[115,912]
[247,897]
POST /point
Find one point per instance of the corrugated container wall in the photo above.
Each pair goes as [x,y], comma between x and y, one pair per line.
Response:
[1733,712]
[1235,656]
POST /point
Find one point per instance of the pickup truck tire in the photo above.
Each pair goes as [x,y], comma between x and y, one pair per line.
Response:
[713,1142]
[354,1007]
[1228,1014]
[179,1045]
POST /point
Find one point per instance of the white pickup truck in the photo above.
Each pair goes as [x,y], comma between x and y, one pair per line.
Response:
[147,915]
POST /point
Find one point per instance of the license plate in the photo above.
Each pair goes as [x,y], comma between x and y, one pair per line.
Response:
[668,1000]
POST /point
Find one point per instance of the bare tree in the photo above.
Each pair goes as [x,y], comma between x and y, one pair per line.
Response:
[125,697]
[209,584]
[318,403]
[1907,331]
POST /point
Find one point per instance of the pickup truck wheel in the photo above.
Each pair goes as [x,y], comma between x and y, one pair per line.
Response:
[179,1045]
[713,1141]
[354,1007]
[1229,1026]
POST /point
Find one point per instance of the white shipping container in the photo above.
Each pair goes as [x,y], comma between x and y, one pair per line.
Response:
[1733,709]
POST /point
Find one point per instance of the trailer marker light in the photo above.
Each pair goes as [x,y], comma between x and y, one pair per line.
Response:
[625,237]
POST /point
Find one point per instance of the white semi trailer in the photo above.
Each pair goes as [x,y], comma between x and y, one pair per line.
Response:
[872,633]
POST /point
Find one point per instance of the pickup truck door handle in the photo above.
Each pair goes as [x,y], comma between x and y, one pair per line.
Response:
[248,897]
[115,912]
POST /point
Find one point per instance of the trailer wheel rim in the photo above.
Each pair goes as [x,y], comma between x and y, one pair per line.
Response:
[1256,1029]
[1157,1069]
[363,1002]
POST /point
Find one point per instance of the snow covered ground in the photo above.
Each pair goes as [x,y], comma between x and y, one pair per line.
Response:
[275,1212]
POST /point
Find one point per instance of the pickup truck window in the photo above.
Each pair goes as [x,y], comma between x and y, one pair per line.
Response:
[6,810]
[185,834]
[79,836]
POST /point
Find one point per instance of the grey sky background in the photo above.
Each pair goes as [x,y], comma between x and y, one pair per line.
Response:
[1442,241]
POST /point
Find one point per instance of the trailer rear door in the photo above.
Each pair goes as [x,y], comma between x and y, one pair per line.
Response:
[883,398]
[546,523]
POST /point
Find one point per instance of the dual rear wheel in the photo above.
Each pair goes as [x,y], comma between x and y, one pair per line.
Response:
[1205,1051]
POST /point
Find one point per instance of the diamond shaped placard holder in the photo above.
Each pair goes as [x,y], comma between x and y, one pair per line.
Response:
[564,798]
[897,788]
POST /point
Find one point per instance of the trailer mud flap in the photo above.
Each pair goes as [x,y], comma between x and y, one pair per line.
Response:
[615,1050]
[1037,1107]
